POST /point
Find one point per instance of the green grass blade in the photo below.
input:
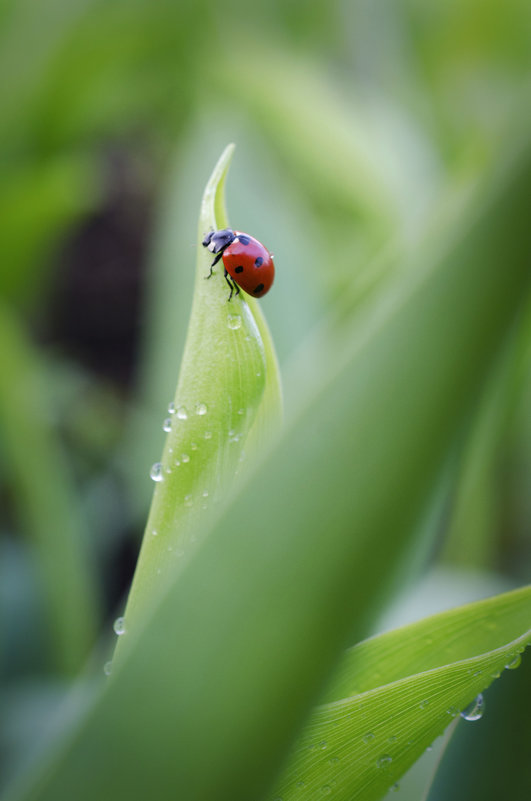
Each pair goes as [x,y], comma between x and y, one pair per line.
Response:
[227,398]
[394,694]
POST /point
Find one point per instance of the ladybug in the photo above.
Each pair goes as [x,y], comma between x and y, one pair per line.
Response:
[248,264]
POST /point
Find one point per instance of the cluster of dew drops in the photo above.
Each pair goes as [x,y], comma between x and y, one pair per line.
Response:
[180,413]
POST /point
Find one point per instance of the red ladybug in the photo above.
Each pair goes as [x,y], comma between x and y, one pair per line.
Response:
[248,264]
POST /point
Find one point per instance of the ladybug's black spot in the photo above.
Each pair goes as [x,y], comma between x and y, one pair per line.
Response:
[238,269]
[258,289]
[258,262]
[244,239]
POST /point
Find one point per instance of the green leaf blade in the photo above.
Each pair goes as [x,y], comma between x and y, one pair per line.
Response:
[229,386]
[410,683]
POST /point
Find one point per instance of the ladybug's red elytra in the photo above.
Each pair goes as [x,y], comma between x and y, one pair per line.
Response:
[248,264]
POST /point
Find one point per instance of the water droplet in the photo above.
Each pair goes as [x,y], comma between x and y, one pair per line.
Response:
[171,408]
[301,783]
[182,413]
[166,426]
[326,789]
[453,711]
[208,434]
[185,458]
[201,408]
[514,663]
[384,761]
[154,532]
[475,710]
[424,704]
[392,739]
[322,745]
[368,737]
[394,788]
[188,500]
[107,668]
[168,470]
[333,761]
[241,411]
[156,472]
[205,494]
[193,446]
[119,626]
[234,321]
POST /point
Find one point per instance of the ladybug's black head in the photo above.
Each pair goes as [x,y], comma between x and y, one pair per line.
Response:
[216,241]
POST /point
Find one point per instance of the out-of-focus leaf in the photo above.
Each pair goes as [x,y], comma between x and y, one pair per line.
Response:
[45,501]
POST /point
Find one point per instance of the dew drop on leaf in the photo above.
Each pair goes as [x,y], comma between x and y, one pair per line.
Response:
[368,737]
[234,321]
[475,710]
[182,413]
[171,408]
[156,472]
[384,760]
[166,426]
[201,409]
[514,663]
[119,626]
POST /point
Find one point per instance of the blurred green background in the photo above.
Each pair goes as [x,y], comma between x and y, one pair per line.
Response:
[361,129]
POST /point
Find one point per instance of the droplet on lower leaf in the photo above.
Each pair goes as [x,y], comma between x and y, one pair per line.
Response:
[166,426]
[384,760]
[201,408]
[182,413]
[514,663]
[475,710]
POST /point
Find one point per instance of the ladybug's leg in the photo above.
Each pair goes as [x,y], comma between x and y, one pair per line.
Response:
[218,257]
[233,286]
[230,283]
